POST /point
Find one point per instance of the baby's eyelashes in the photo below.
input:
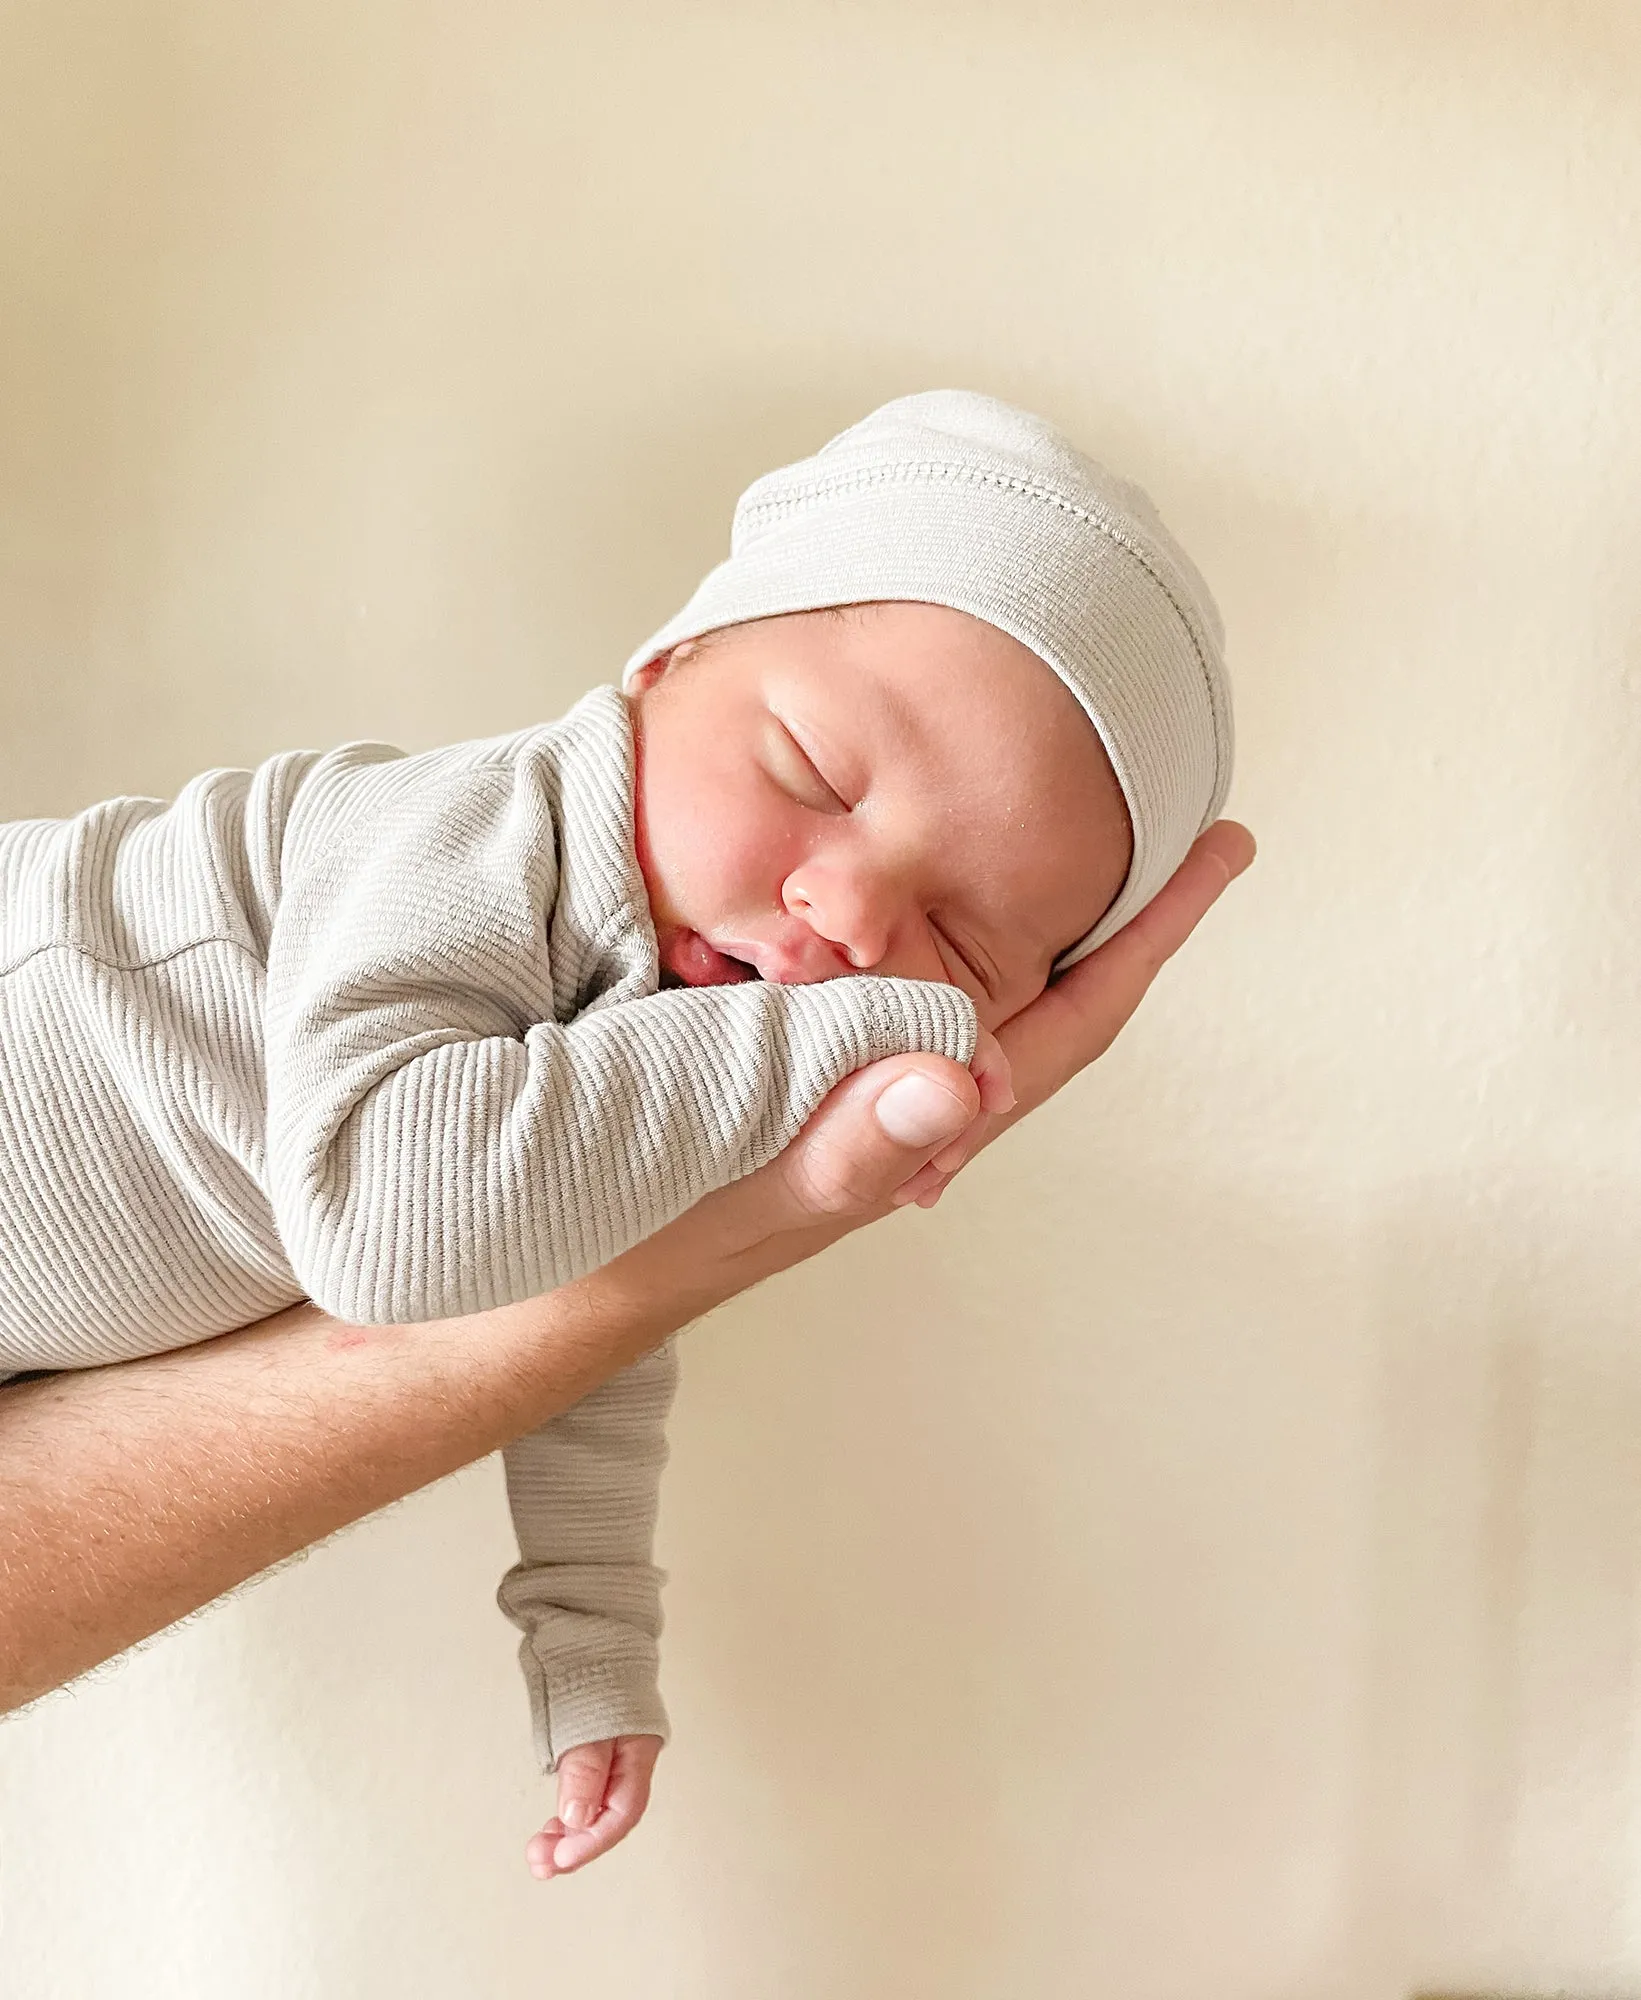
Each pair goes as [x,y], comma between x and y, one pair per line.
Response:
[807,784]
[953,951]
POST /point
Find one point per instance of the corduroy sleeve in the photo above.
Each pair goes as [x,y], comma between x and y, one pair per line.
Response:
[435,1146]
[584,1490]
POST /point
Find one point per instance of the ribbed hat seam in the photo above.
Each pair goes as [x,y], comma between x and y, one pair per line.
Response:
[902,473]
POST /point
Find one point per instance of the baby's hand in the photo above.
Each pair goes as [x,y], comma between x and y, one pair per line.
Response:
[603,1789]
[989,1067]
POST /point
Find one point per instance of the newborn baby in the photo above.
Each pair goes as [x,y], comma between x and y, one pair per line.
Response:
[813,802]
[419,1036]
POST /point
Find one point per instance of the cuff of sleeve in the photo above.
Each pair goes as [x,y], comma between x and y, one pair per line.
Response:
[589,1704]
[918,1013]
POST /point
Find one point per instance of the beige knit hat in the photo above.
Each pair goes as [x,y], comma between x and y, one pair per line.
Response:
[954,498]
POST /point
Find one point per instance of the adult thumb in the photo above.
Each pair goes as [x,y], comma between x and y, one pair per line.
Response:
[874,1132]
[916,1112]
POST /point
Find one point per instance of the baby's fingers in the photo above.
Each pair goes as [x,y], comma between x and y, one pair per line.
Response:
[559,1849]
[583,1774]
[583,1777]
[540,1847]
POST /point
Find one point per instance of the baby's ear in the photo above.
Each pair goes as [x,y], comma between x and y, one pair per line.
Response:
[652,670]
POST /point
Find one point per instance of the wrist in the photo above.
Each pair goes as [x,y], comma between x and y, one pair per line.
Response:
[727,1243]
[660,1284]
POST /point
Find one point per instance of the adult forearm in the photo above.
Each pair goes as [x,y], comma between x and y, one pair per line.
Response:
[132,1495]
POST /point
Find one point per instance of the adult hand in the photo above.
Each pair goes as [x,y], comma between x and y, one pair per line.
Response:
[867,1150]
[863,1154]
[131,1495]
[1074,1021]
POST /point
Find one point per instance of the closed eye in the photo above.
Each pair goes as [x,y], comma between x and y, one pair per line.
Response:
[806,764]
[967,962]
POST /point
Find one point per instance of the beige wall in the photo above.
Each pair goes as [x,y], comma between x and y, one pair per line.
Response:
[1247,1507]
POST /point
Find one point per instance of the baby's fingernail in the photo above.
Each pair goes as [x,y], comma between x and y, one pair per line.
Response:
[916,1111]
[577,1813]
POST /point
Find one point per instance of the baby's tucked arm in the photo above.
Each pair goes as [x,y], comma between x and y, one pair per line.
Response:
[438,1144]
[585,1592]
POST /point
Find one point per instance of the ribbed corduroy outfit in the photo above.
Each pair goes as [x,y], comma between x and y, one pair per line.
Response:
[384,1031]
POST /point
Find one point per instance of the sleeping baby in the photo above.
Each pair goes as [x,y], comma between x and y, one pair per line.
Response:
[417,1036]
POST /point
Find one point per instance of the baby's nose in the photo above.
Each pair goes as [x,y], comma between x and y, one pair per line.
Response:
[853,915]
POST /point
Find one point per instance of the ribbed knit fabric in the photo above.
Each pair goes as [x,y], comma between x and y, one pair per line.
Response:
[585,1593]
[384,1031]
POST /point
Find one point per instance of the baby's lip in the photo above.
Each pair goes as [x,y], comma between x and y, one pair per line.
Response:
[703,963]
[781,966]
[756,958]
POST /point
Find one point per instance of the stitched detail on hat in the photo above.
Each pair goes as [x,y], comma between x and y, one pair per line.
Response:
[821,489]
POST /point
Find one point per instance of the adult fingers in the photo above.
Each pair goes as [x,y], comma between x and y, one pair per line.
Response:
[1078,1018]
[847,1164]
[927,1185]
[1134,956]
[871,1134]
[989,1066]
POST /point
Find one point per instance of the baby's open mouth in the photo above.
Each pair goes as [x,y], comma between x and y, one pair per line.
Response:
[699,963]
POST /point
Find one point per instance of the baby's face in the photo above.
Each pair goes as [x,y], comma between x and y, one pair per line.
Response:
[895,788]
